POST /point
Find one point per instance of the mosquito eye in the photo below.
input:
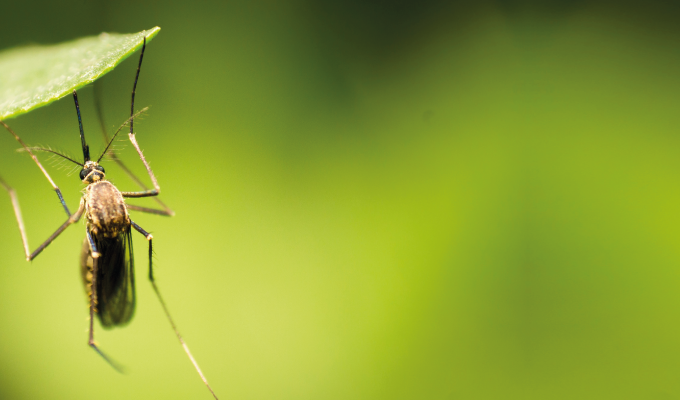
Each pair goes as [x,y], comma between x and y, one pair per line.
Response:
[100,168]
[83,174]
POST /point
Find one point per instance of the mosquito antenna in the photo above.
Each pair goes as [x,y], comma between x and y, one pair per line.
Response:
[134,87]
[129,120]
[86,148]
[53,152]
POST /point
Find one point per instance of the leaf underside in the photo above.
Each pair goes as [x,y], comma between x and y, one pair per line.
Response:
[34,76]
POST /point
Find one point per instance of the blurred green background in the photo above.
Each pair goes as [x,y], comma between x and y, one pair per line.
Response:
[375,200]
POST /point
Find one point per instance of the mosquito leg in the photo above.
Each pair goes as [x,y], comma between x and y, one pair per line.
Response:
[146,193]
[71,220]
[149,237]
[93,307]
[167,210]
[17,213]
[54,186]
[112,154]
[150,210]
[157,189]
[93,247]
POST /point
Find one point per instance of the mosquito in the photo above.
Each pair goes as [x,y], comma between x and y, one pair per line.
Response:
[106,260]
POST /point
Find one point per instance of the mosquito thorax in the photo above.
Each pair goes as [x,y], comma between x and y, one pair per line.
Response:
[91,172]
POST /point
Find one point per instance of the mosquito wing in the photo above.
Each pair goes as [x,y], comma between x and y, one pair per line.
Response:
[115,283]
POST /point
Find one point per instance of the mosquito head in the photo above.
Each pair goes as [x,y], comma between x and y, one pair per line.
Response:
[92,172]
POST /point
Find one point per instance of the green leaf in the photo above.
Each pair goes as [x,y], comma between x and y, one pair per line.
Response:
[34,76]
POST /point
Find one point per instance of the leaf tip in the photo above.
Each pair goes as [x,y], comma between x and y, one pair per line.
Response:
[150,33]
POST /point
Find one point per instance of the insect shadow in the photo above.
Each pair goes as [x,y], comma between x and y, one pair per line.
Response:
[106,260]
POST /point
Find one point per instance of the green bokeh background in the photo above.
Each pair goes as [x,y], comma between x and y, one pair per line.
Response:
[375,200]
